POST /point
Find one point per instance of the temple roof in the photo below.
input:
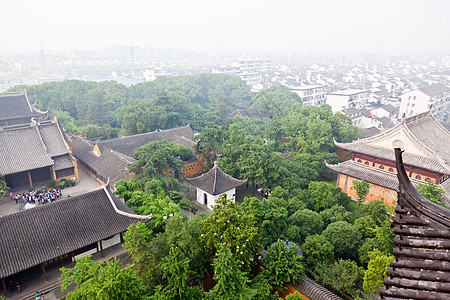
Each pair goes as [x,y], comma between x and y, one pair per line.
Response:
[37,235]
[216,181]
[425,140]
[248,112]
[379,177]
[15,105]
[110,164]
[28,147]
[421,268]
[367,173]
[127,144]
[22,149]
[53,139]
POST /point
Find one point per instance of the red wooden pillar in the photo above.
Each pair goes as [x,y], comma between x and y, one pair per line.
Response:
[29,178]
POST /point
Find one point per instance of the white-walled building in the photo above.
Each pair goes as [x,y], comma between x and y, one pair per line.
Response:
[311,95]
[213,184]
[433,97]
[345,99]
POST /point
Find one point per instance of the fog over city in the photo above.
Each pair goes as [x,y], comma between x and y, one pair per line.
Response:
[308,27]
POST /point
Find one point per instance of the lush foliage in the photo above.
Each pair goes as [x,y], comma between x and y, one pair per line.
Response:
[99,280]
[276,101]
[232,283]
[231,225]
[432,192]
[283,264]
[376,271]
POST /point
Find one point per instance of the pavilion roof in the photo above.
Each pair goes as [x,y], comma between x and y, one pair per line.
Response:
[420,269]
[37,235]
[216,181]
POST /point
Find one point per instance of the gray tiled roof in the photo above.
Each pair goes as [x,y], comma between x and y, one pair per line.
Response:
[53,139]
[314,291]
[370,174]
[428,135]
[434,89]
[216,181]
[15,106]
[62,162]
[388,154]
[249,112]
[37,235]
[21,150]
[127,144]
[420,269]
[431,134]
[110,164]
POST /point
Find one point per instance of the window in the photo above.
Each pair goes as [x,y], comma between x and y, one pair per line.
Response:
[418,177]
[205,199]
[427,179]
[366,163]
[381,167]
[391,170]
[414,98]
[360,161]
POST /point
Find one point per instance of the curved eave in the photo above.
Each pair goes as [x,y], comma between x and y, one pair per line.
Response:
[410,197]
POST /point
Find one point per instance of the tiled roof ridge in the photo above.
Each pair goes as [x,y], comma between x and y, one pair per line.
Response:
[352,162]
[144,133]
[424,116]
[120,156]
[215,168]
[121,212]
[28,102]
[40,138]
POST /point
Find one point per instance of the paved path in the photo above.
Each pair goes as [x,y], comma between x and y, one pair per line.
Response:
[86,184]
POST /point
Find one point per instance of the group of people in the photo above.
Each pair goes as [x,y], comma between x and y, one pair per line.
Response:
[37,197]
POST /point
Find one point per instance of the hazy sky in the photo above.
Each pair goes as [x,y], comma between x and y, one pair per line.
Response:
[234,25]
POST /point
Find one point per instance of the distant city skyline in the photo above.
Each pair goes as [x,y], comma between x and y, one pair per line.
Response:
[265,26]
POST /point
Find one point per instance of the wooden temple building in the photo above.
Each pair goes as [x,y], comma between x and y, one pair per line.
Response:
[214,183]
[108,160]
[426,158]
[52,235]
[15,109]
[421,268]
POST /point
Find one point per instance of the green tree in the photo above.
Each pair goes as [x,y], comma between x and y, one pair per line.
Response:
[276,101]
[175,268]
[229,224]
[137,240]
[317,250]
[345,276]
[283,264]
[102,280]
[362,189]
[308,222]
[294,296]
[232,283]
[376,271]
[4,189]
[210,143]
[344,237]
[432,192]
[156,160]
[366,226]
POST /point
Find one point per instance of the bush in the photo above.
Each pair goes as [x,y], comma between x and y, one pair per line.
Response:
[52,184]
